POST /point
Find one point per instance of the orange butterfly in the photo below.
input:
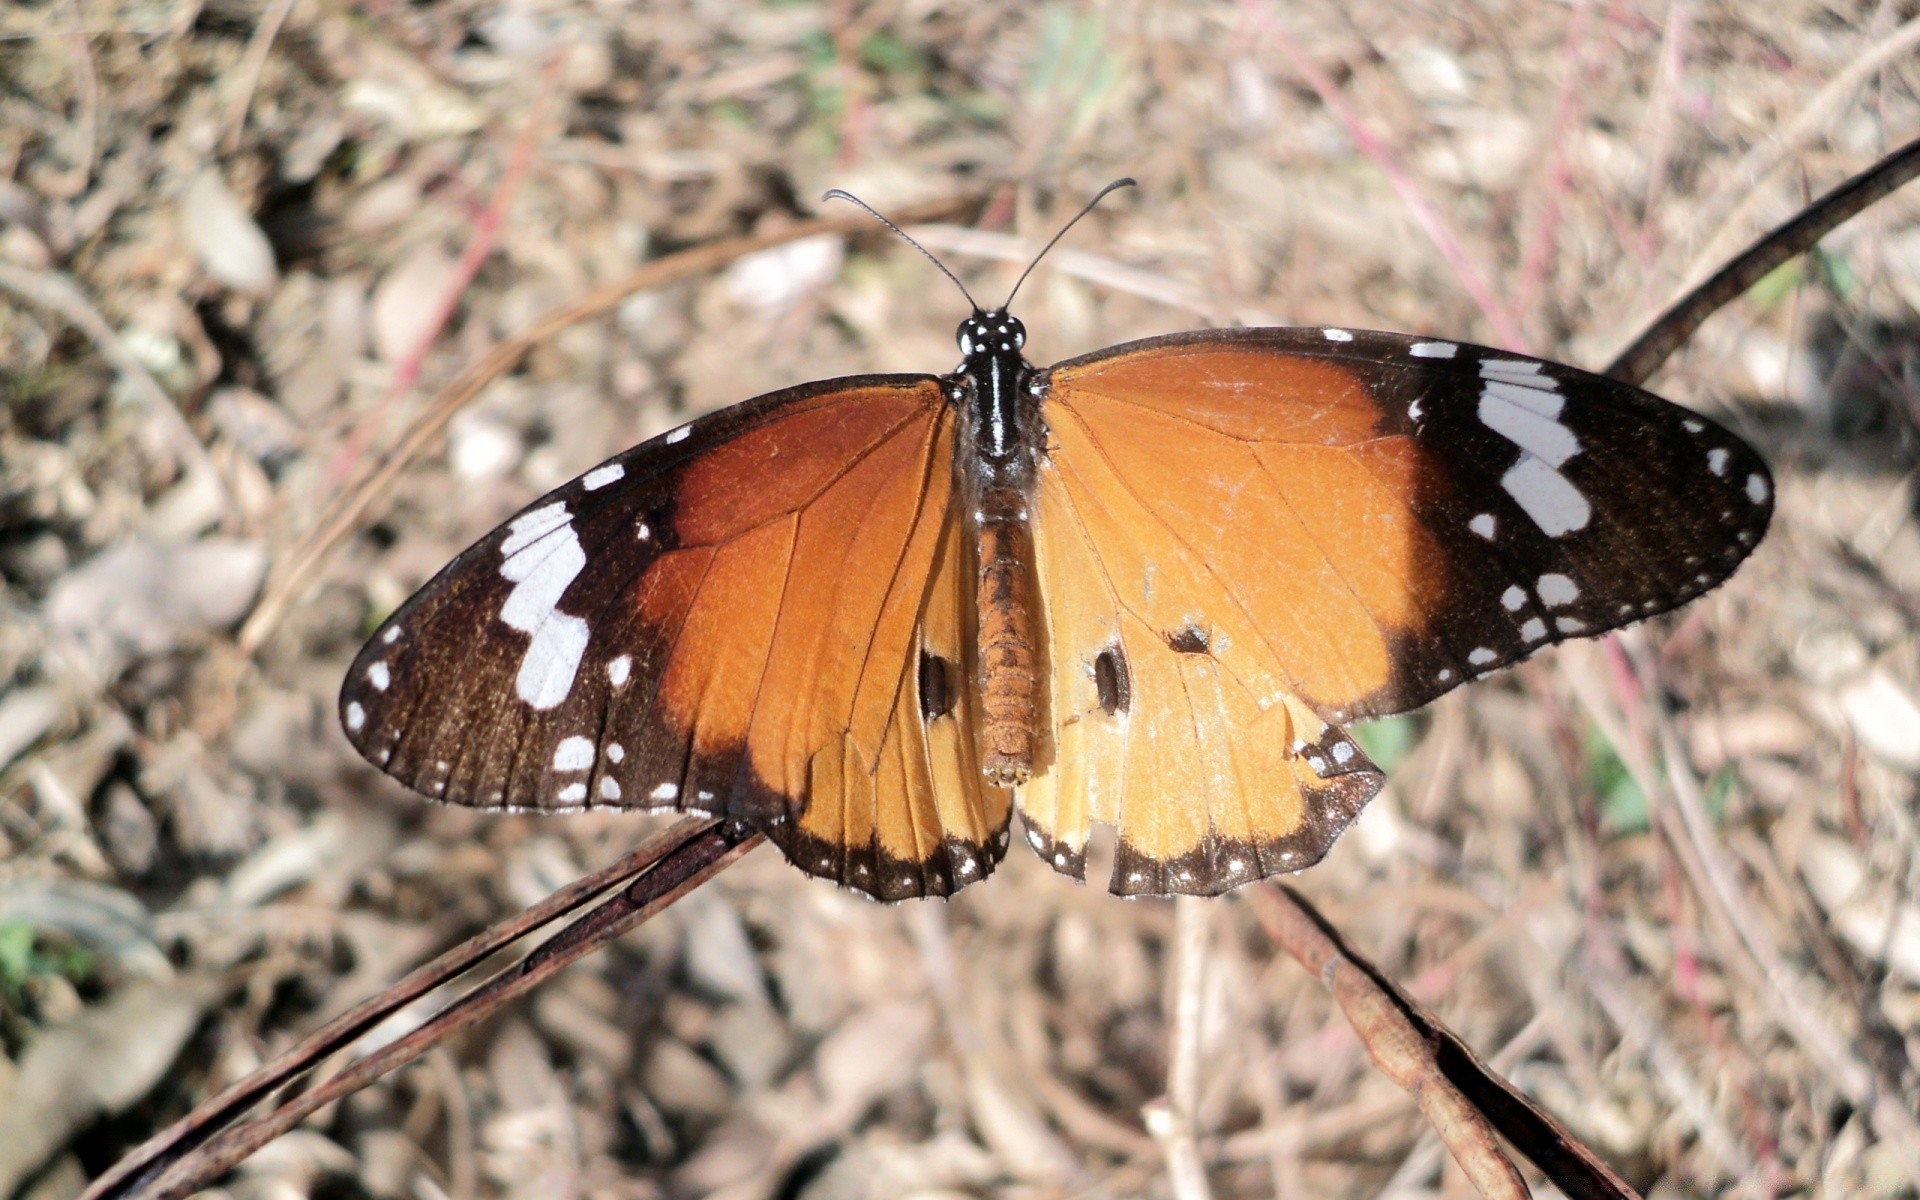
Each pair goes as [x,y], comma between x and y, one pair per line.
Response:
[1145,586]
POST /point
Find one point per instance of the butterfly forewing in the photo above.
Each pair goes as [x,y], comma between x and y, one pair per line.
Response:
[1392,516]
[690,626]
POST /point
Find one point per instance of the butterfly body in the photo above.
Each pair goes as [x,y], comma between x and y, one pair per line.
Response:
[1145,587]
[997,463]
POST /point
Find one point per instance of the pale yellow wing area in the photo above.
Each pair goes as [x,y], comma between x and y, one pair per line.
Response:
[1209,783]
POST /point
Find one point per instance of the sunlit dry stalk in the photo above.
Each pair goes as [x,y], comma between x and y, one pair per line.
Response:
[1671,329]
[1174,1120]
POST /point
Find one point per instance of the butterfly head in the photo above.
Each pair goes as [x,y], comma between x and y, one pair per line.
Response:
[988,334]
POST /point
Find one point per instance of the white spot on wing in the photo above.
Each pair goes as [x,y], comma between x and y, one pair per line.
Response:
[356,716]
[392,635]
[1445,675]
[1534,629]
[1557,590]
[1555,505]
[609,787]
[1570,624]
[530,527]
[573,754]
[1525,426]
[1481,656]
[1693,426]
[1757,488]
[573,793]
[1717,460]
[379,676]
[680,434]
[542,556]
[1512,598]
[616,752]
[1342,752]
[666,791]
[1483,525]
[1337,335]
[1522,404]
[600,477]
[1515,370]
[618,669]
[1433,350]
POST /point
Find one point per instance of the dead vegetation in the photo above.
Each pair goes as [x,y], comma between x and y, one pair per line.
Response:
[1671,887]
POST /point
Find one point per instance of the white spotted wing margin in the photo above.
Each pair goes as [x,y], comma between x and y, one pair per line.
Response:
[1568,504]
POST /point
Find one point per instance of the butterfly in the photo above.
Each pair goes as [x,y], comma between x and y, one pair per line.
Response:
[1147,586]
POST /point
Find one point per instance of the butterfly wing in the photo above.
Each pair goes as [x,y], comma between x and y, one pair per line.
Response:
[726,619]
[1292,528]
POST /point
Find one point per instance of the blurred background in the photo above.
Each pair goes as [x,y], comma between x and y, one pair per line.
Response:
[1674,892]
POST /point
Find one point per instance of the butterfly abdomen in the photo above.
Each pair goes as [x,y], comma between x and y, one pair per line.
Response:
[1010,667]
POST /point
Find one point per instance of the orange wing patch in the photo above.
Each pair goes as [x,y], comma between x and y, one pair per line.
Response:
[1259,505]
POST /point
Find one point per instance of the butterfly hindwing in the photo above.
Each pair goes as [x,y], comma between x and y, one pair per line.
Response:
[913,815]
[689,626]
[1210,778]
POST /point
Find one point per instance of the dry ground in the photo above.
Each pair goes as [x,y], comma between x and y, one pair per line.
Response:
[227,228]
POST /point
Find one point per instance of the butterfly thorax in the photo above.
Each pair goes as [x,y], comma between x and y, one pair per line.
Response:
[995,463]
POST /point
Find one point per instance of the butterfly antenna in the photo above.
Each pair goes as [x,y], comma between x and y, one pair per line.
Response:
[849,197]
[1115,186]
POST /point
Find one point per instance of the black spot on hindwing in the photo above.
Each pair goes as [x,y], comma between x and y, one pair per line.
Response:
[1188,639]
[1111,681]
[936,686]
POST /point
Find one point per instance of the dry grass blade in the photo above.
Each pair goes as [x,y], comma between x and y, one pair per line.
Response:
[201,1147]
[1464,1100]
[297,569]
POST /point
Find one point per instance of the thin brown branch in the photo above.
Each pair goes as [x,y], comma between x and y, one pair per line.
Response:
[1637,363]
[200,1147]
[1464,1100]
